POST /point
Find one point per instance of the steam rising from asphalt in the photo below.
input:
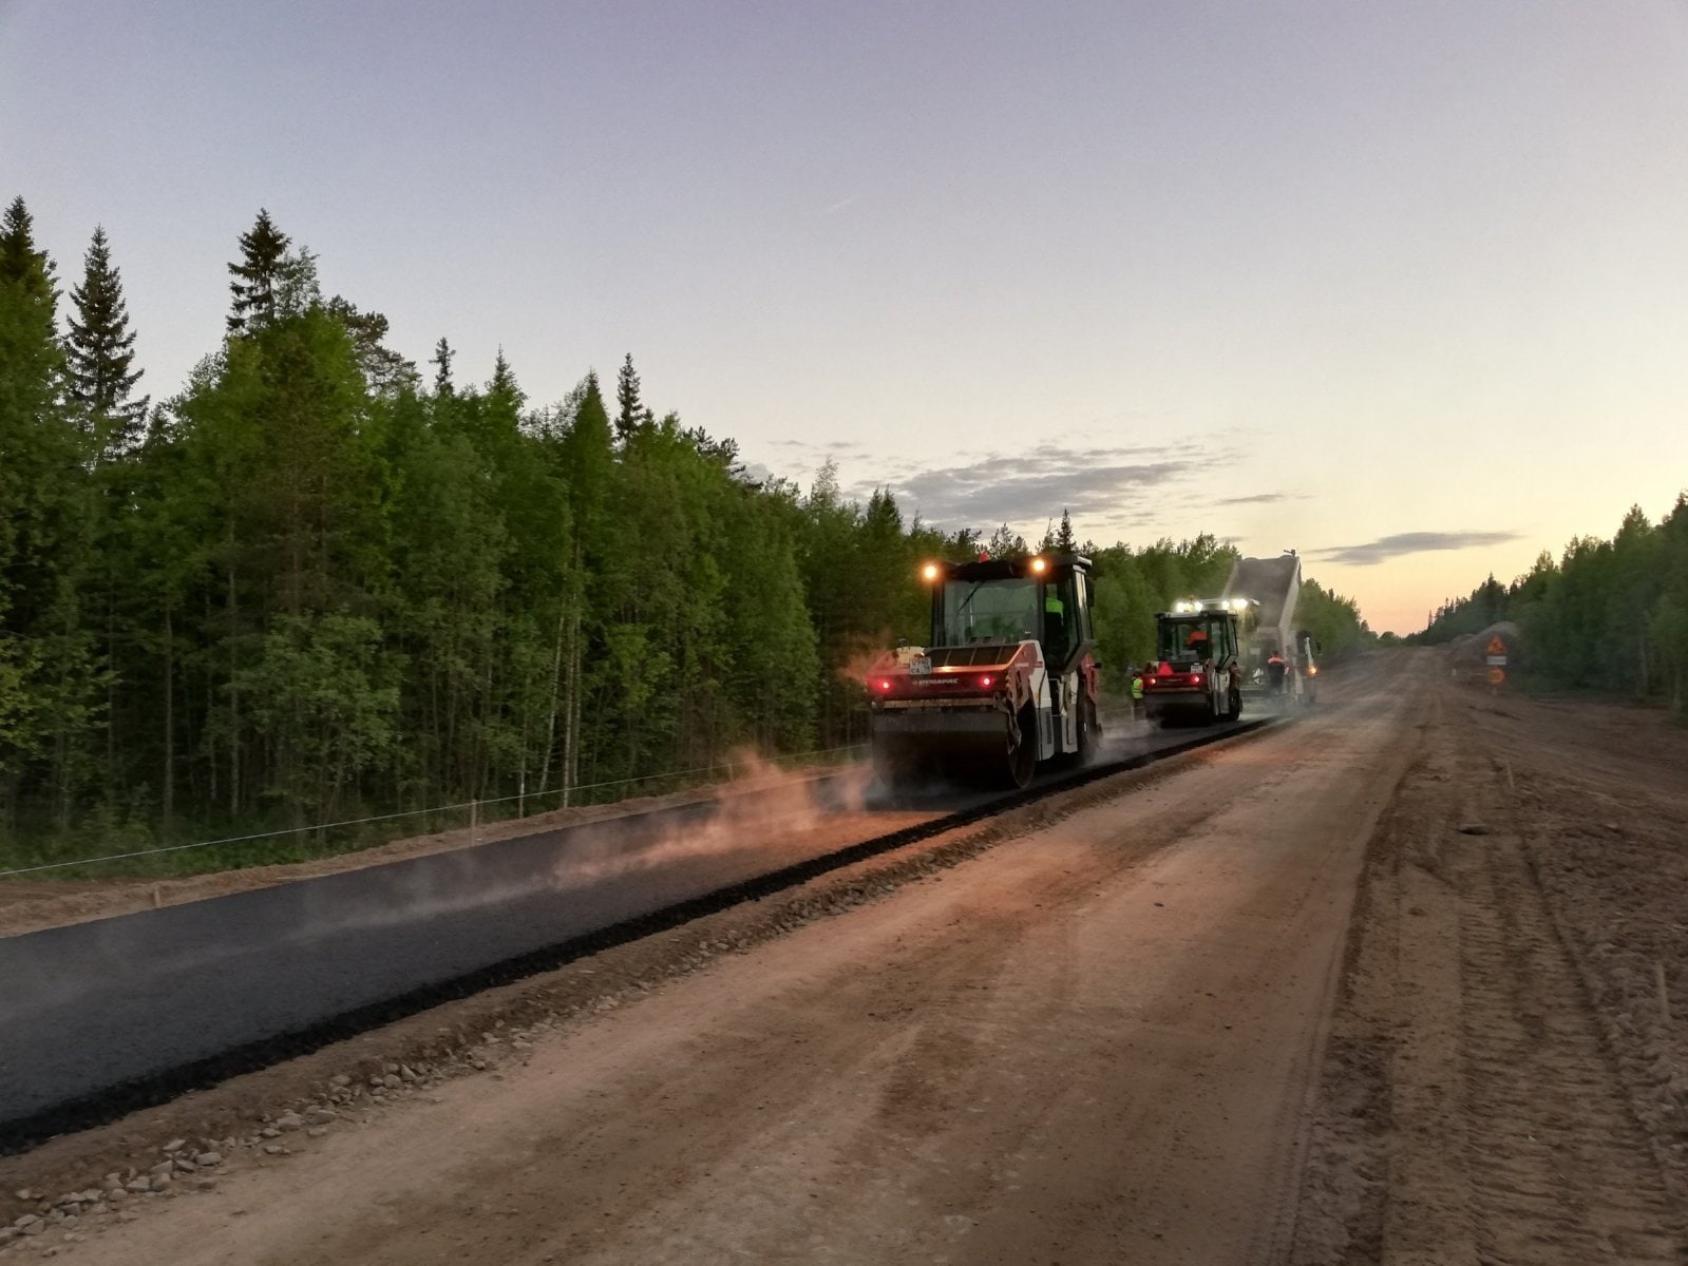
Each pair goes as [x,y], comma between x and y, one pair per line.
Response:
[764,819]
[756,813]
[760,821]
[861,654]
[748,826]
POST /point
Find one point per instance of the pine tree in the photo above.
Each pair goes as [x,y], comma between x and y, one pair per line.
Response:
[100,351]
[258,276]
[384,370]
[442,369]
[1005,542]
[631,411]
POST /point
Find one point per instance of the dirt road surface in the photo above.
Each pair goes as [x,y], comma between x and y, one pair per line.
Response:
[1348,991]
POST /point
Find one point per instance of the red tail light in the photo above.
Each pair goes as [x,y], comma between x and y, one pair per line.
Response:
[884,683]
[1195,679]
[986,682]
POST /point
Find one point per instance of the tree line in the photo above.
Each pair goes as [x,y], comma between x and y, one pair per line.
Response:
[1607,614]
[319,580]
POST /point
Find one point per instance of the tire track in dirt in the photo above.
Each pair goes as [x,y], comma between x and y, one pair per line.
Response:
[1560,1170]
[1600,799]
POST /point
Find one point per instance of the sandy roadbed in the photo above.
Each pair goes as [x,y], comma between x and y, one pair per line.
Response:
[1505,1080]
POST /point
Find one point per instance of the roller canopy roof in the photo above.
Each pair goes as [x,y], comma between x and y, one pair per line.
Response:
[1009,568]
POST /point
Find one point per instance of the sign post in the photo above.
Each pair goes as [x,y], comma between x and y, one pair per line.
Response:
[1495,657]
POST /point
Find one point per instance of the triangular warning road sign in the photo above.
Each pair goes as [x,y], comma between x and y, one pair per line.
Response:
[1496,646]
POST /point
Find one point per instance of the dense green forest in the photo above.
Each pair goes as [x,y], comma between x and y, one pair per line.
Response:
[1610,615]
[319,581]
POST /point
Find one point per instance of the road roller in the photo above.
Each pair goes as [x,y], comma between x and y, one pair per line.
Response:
[1008,678]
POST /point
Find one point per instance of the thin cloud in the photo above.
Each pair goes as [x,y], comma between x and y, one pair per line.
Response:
[1385,547]
[1260,499]
[831,446]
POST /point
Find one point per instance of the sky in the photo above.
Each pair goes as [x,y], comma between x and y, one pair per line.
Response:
[1399,285]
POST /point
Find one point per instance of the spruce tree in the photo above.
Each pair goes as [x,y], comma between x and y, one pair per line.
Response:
[503,384]
[258,275]
[47,662]
[32,455]
[1065,541]
[442,369]
[631,411]
[100,351]
[20,262]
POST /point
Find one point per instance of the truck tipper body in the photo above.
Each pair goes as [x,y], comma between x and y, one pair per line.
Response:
[1276,658]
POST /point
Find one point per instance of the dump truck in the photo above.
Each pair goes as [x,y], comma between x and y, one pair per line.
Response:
[1277,660]
[1007,680]
[1197,672]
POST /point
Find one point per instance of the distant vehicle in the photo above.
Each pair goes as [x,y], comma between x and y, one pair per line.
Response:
[1197,673]
[1008,678]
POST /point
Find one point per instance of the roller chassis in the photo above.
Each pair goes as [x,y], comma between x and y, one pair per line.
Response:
[1190,687]
[989,710]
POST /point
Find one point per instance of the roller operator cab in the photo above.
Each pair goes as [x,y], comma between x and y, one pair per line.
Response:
[1007,679]
[1196,674]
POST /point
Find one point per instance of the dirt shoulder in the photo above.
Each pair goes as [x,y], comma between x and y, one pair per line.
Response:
[1505,1076]
[1085,1033]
